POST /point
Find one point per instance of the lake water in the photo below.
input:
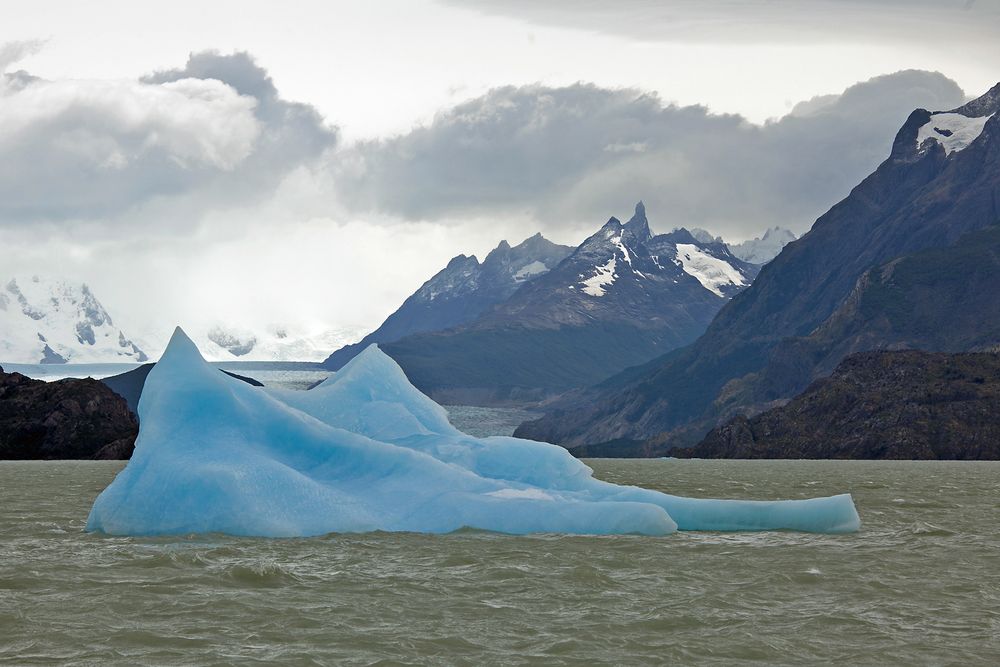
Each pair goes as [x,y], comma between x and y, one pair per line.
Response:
[482,422]
[919,585]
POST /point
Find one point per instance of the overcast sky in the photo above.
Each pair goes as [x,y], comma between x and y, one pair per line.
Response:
[312,163]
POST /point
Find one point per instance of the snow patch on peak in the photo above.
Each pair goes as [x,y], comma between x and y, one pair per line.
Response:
[605,275]
[533,269]
[954,131]
[624,251]
[712,272]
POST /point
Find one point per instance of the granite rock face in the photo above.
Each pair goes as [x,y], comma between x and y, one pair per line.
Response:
[68,419]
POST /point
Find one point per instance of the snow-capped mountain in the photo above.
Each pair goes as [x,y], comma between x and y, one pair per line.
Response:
[462,291]
[57,321]
[619,299]
[763,249]
[623,273]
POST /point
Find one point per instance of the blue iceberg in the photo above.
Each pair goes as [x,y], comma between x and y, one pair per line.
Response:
[366,451]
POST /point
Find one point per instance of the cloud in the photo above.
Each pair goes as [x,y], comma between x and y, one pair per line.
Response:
[215,133]
[582,152]
[13,52]
[764,21]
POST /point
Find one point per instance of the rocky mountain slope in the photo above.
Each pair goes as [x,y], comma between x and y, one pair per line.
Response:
[941,299]
[55,321]
[940,183]
[67,419]
[877,405]
[462,291]
[620,298]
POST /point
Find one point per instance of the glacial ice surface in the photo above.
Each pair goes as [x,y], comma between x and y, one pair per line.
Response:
[366,451]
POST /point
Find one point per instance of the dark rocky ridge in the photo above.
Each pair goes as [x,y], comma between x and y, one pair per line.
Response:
[919,198]
[877,405]
[66,419]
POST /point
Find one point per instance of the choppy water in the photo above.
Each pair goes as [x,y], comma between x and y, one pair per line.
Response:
[482,422]
[920,585]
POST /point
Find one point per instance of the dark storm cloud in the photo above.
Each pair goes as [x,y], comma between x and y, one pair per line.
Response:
[215,132]
[580,152]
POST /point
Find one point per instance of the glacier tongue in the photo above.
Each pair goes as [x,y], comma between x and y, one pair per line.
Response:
[367,451]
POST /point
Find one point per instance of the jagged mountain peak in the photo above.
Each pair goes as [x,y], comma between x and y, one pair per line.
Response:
[680,235]
[613,224]
[638,225]
[462,260]
[529,247]
[535,241]
[984,105]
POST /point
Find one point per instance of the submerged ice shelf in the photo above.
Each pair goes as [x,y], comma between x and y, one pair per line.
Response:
[366,451]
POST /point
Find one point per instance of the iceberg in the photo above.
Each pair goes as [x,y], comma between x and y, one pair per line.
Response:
[366,451]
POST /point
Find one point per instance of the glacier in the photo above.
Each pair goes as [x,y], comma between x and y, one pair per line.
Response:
[366,451]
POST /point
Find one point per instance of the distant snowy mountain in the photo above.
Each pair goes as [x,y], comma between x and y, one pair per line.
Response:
[704,236]
[763,250]
[462,291]
[57,321]
[273,343]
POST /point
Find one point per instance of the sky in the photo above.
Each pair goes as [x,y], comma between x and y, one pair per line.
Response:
[310,164]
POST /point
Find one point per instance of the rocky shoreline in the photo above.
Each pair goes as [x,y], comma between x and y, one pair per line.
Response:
[66,419]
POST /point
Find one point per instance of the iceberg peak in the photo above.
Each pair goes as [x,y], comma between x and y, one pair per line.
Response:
[361,395]
[181,346]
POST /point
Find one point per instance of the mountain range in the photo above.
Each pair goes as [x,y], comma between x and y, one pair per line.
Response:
[621,297]
[906,260]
